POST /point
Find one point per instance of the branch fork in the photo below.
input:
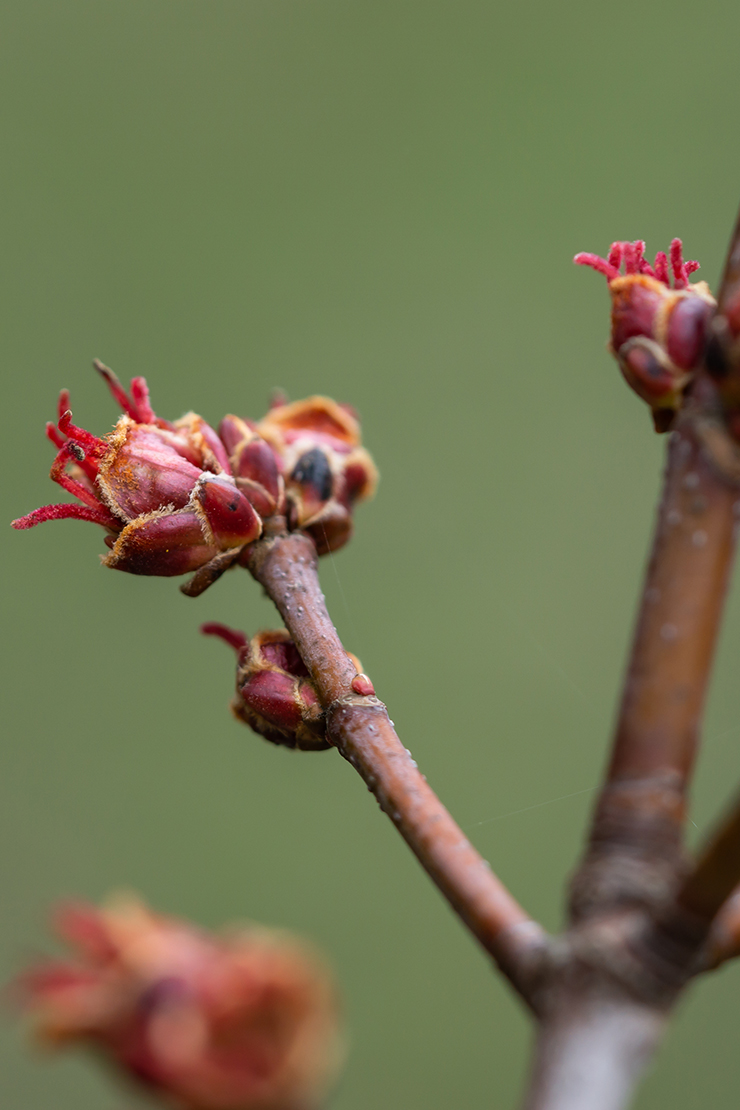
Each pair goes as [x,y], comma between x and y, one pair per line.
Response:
[643,919]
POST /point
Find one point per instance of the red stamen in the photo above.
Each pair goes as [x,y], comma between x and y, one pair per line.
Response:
[55,435]
[62,403]
[661,267]
[680,276]
[59,475]
[140,393]
[615,255]
[92,444]
[646,268]
[67,512]
[119,393]
[632,256]
[231,636]
[601,265]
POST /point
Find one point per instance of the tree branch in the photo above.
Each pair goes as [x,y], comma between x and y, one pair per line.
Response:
[286,566]
[635,846]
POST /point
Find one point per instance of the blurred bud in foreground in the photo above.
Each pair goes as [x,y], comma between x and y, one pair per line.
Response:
[274,692]
[658,333]
[324,467]
[162,490]
[246,1020]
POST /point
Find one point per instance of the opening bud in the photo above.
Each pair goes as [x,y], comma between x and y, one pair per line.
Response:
[658,332]
[326,471]
[275,695]
[254,465]
[163,491]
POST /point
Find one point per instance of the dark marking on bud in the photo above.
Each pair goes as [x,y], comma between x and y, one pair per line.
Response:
[313,469]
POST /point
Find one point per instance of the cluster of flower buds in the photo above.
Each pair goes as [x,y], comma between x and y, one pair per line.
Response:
[242,1021]
[163,491]
[176,497]
[658,333]
[274,692]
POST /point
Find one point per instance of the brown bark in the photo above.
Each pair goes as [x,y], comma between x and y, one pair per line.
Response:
[635,853]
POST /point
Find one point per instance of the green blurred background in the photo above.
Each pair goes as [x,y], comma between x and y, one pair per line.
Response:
[378,201]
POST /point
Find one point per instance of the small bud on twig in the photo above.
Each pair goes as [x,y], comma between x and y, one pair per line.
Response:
[274,692]
[658,333]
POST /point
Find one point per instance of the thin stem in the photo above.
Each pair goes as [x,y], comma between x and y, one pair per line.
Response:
[723,941]
[286,566]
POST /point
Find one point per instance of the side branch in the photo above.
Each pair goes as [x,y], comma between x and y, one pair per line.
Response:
[286,566]
[723,942]
[717,872]
[709,899]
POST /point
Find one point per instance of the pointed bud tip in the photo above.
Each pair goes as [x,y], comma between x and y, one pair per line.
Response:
[362,685]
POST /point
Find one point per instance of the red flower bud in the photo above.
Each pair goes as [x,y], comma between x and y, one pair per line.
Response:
[253,464]
[658,333]
[242,1021]
[162,490]
[274,692]
[324,467]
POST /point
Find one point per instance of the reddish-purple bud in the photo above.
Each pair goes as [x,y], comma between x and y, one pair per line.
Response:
[362,685]
[244,1020]
[253,465]
[274,692]
[658,333]
[162,490]
[324,467]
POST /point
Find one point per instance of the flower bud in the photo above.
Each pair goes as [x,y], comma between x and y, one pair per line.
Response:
[324,467]
[658,333]
[246,1020]
[253,464]
[163,491]
[275,695]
